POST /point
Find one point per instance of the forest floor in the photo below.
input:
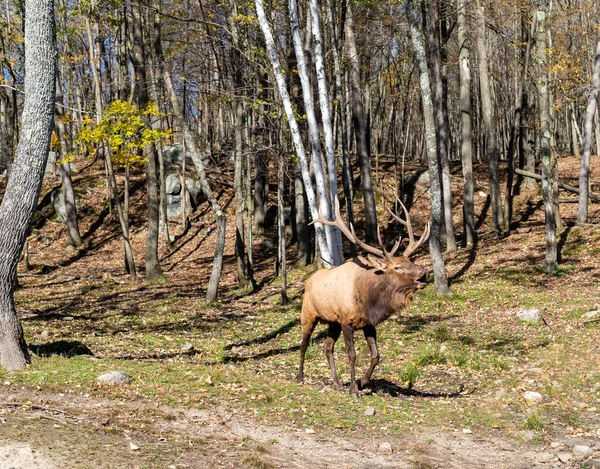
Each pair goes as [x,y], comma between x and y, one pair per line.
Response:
[213,384]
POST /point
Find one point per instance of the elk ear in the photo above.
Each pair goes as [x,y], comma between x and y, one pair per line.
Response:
[378,263]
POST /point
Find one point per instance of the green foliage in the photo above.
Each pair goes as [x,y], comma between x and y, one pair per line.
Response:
[125,130]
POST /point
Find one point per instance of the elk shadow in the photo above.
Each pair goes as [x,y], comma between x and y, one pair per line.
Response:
[238,358]
[63,348]
[562,241]
[267,337]
[393,390]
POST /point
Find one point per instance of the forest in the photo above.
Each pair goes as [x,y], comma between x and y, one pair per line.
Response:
[172,174]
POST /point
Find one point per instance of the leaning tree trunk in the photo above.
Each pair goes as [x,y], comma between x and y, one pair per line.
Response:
[491,137]
[295,131]
[333,235]
[418,40]
[590,111]
[548,168]
[24,185]
[466,136]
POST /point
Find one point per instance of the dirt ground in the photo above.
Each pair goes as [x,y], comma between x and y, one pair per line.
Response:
[49,431]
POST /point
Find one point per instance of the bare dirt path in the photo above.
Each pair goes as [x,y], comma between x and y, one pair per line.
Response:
[49,431]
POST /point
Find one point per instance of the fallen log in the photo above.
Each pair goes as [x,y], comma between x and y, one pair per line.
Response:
[562,185]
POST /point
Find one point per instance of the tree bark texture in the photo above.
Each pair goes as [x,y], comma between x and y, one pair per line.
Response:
[23,188]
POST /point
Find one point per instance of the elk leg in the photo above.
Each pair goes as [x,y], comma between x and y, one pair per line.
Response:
[332,336]
[307,330]
[349,339]
[371,336]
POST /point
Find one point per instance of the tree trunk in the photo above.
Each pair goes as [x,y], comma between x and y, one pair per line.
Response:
[138,58]
[590,111]
[281,228]
[8,103]
[418,41]
[294,129]
[23,188]
[326,120]
[440,122]
[71,222]
[302,229]
[548,168]
[491,137]
[360,128]
[466,139]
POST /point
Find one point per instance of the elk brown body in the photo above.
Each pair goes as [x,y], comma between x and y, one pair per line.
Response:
[359,295]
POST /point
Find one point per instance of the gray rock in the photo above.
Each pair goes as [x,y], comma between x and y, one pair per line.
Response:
[57,199]
[529,315]
[187,348]
[115,378]
[45,239]
[564,457]
[385,448]
[44,335]
[500,394]
[173,184]
[592,463]
[582,451]
[532,396]
[51,170]
[370,411]
[592,314]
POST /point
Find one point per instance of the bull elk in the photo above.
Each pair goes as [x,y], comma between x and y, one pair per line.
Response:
[360,294]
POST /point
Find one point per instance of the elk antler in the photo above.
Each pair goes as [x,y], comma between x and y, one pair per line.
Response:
[351,235]
[348,232]
[412,245]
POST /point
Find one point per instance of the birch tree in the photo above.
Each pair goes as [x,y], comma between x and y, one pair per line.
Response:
[295,131]
[23,188]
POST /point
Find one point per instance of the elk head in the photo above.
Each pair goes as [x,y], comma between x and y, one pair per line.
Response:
[406,273]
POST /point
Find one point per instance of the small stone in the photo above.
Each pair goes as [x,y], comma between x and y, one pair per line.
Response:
[44,335]
[187,348]
[309,430]
[532,396]
[133,446]
[582,451]
[467,430]
[70,247]
[564,457]
[592,314]
[544,457]
[385,448]
[67,318]
[527,435]
[116,378]
[556,444]
[595,463]
[370,411]
[500,394]
[529,315]
[45,239]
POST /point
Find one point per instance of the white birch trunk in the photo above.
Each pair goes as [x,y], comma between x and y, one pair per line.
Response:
[295,131]
[331,233]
